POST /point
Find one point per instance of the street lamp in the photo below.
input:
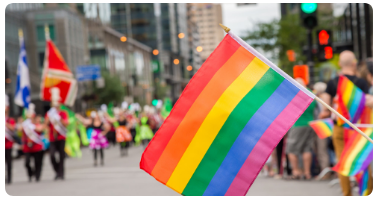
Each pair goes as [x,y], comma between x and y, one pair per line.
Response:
[189,68]
[176,61]
[155,52]
[199,49]
[123,39]
[181,35]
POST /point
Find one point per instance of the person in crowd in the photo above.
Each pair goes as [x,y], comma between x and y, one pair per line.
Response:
[370,79]
[158,118]
[20,152]
[133,122]
[321,144]
[98,141]
[33,145]
[300,142]
[348,64]
[9,139]
[123,135]
[56,120]
[145,134]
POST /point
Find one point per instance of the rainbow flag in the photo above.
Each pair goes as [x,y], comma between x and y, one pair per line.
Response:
[362,180]
[351,101]
[226,123]
[356,155]
[367,116]
[322,127]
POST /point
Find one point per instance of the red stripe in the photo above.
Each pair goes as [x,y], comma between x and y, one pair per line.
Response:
[215,61]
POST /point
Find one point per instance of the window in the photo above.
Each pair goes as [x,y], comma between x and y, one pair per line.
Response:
[41,33]
[41,57]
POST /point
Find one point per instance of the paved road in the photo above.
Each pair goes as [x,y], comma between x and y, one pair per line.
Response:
[122,176]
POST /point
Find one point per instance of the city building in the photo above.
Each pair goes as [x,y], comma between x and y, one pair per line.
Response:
[130,60]
[208,18]
[23,6]
[68,32]
[13,22]
[193,40]
[163,27]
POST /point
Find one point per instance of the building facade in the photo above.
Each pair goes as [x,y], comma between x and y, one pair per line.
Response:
[67,31]
[208,18]
[129,60]
[158,26]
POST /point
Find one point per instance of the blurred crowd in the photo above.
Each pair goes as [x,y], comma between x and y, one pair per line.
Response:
[301,154]
[33,136]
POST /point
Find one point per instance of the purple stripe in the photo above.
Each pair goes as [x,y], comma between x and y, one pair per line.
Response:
[358,113]
[275,132]
[366,163]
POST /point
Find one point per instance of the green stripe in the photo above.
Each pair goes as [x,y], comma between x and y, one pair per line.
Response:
[359,155]
[230,131]
[352,97]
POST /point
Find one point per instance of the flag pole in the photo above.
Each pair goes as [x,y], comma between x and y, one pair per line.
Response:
[226,29]
[20,34]
[344,119]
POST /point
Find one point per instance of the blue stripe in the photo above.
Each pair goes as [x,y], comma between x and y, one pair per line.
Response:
[356,102]
[364,181]
[364,156]
[249,137]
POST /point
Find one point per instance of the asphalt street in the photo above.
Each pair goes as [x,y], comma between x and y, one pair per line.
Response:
[121,176]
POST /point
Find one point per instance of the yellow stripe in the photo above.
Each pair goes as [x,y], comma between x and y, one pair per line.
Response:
[213,123]
[326,129]
[347,92]
[353,154]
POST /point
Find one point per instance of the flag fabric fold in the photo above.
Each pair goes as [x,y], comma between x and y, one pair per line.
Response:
[226,123]
[357,153]
[350,101]
[22,94]
[323,127]
[56,73]
[362,180]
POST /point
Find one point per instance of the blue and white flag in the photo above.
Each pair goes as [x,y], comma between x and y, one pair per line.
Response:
[22,95]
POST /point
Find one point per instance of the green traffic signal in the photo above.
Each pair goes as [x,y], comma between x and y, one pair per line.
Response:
[308,7]
[154,102]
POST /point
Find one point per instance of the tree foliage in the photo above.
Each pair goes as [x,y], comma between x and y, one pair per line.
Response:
[278,36]
[113,91]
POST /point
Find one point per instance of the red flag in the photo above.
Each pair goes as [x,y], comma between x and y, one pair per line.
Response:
[56,73]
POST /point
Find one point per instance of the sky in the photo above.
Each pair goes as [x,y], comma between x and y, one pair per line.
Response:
[242,18]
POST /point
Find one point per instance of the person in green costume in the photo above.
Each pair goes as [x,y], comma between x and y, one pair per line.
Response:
[144,132]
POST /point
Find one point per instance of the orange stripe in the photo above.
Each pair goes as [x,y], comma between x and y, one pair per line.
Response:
[349,149]
[199,110]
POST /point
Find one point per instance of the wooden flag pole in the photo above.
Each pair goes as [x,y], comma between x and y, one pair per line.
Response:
[226,29]
[344,119]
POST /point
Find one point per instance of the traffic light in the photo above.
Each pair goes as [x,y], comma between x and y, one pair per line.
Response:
[308,14]
[154,102]
[301,71]
[324,45]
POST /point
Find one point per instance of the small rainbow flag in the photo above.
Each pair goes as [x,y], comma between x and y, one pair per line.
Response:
[362,180]
[356,155]
[323,127]
[351,101]
[226,123]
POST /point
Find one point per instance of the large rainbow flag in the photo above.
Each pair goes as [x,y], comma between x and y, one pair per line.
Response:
[356,155]
[351,101]
[56,73]
[362,179]
[322,127]
[226,123]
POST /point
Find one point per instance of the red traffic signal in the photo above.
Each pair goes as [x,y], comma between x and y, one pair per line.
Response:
[328,52]
[323,37]
[324,45]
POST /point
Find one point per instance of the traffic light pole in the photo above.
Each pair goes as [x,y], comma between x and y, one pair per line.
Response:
[310,62]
